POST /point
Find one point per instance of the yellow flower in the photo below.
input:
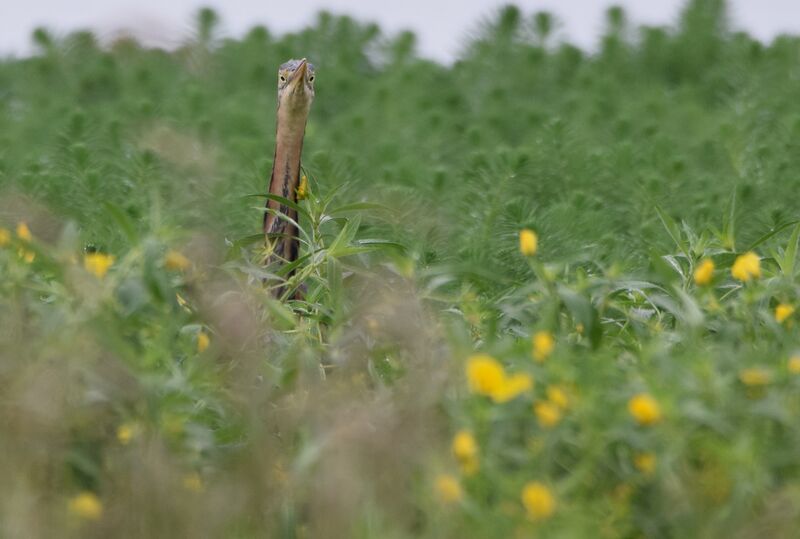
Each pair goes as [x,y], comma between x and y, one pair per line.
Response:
[704,272]
[547,413]
[86,505]
[746,267]
[794,364]
[465,449]
[754,377]
[23,232]
[302,189]
[558,396]
[193,482]
[176,261]
[5,237]
[644,409]
[645,463]
[448,489]
[528,242]
[203,341]
[26,255]
[783,311]
[512,386]
[538,500]
[98,263]
[543,345]
[485,374]
[126,432]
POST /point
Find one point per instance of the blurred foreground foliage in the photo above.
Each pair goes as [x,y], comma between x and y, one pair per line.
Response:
[634,372]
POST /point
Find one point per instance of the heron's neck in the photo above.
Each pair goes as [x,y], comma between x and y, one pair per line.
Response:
[288,147]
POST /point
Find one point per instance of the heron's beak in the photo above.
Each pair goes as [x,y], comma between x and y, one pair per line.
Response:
[299,77]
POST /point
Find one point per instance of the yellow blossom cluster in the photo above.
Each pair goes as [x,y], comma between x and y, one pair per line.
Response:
[783,311]
[486,376]
[86,505]
[746,267]
[24,234]
[704,272]
[448,489]
[644,409]
[794,364]
[465,450]
[543,345]
[302,188]
[538,501]
[549,412]
[203,341]
[528,242]
[98,264]
[645,462]
[176,261]
[754,377]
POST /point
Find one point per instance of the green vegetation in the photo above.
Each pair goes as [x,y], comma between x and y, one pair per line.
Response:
[632,374]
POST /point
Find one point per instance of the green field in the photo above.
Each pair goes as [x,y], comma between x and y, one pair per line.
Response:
[637,374]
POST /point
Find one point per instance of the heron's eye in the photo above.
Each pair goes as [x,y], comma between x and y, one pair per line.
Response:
[283,79]
[311,78]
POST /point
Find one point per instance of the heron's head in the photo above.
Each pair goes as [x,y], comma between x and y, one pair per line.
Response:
[296,85]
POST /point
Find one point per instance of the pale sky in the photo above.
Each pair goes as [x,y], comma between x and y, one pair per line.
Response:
[440,25]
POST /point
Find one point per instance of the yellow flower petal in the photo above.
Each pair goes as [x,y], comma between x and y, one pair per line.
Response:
[86,505]
[754,377]
[543,345]
[704,272]
[26,255]
[645,463]
[547,413]
[98,263]
[746,267]
[512,387]
[644,409]
[126,433]
[485,374]
[528,242]
[23,232]
[465,450]
[539,502]
[176,261]
[794,364]
[302,188]
[448,489]
[783,311]
[558,396]
[203,341]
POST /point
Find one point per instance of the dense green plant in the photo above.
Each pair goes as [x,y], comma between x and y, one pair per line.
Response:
[635,372]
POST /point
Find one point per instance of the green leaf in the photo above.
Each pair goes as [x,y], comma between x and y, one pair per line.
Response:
[770,234]
[789,257]
[672,229]
[280,315]
[359,206]
[124,222]
[582,310]
[346,235]
[281,200]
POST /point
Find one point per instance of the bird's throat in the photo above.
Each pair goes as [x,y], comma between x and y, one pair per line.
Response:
[288,149]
